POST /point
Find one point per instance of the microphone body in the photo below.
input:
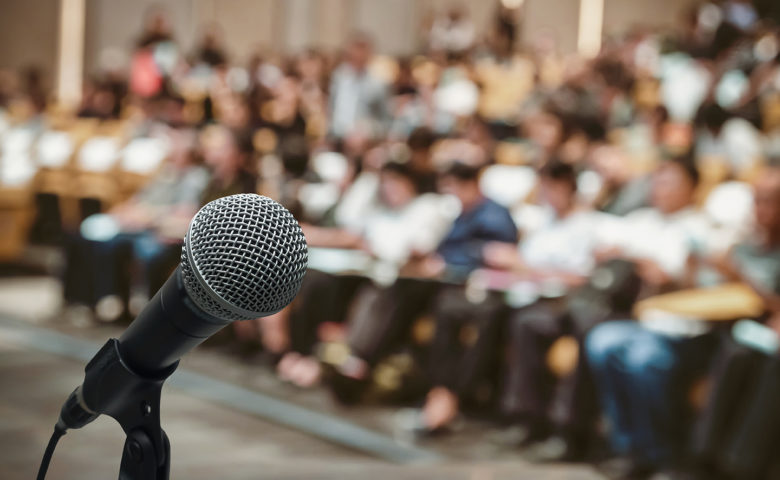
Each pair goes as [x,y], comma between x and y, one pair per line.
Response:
[167,328]
[244,257]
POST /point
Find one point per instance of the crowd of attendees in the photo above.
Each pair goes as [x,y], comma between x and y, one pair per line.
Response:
[583,249]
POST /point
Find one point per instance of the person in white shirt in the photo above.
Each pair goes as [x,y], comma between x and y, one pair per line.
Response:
[657,241]
[394,222]
[645,401]
[358,100]
[452,33]
[660,238]
[560,251]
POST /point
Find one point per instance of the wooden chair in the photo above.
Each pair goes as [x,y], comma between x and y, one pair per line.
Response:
[139,161]
[720,303]
[16,216]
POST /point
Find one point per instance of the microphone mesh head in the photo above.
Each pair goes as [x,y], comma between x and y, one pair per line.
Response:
[244,257]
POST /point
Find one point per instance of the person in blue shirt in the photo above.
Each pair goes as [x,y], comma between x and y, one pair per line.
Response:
[382,317]
[481,221]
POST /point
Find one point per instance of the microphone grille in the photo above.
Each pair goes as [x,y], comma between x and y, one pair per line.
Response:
[244,257]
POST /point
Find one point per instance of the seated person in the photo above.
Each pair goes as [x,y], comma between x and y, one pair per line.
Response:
[382,315]
[389,221]
[148,228]
[622,190]
[737,431]
[560,254]
[229,156]
[643,371]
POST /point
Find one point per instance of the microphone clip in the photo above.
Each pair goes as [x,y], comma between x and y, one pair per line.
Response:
[133,399]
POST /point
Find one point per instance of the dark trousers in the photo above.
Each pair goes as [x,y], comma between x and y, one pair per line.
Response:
[530,390]
[95,269]
[322,298]
[739,429]
[382,316]
[466,340]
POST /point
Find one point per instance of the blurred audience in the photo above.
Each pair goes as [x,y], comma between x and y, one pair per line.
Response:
[545,238]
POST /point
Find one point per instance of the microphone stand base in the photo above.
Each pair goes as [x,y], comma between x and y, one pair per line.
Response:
[140,459]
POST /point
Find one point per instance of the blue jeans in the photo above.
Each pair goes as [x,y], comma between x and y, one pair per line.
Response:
[643,378]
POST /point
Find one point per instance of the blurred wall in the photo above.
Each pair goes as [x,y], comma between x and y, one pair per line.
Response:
[114,26]
[251,25]
[620,15]
[28,28]
[28,35]
[559,17]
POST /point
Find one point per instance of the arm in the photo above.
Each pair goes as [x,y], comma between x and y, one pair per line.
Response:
[729,269]
[331,237]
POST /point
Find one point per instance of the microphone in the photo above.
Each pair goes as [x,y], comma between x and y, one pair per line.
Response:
[244,256]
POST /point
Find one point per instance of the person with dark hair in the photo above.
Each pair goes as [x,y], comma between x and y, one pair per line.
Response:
[420,145]
[559,256]
[393,224]
[738,428]
[146,228]
[481,220]
[155,55]
[210,50]
[723,137]
[383,316]
[644,369]
[622,190]
[358,100]
[712,117]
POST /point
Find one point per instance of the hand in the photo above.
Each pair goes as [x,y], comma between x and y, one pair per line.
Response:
[430,266]
[502,256]
[651,273]
[774,322]
[604,254]
[133,218]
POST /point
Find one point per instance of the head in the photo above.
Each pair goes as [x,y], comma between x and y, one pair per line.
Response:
[674,184]
[545,129]
[184,148]
[461,181]
[359,51]
[558,186]
[212,36]
[611,164]
[157,22]
[420,142]
[767,202]
[712,117]
[225,152]
[396,185]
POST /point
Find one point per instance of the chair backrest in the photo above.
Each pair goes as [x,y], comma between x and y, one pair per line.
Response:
[98,154]
[16,165]
[331,167]
[17,141]
[54,149]
[507,184]
[730,203]
[144,155]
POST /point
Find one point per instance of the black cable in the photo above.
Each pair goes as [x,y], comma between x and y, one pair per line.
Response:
[59,431]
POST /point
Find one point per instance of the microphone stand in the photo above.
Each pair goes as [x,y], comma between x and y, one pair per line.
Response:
[132,399]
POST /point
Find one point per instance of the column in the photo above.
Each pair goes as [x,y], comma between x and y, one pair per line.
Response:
[71,52]
[590,27]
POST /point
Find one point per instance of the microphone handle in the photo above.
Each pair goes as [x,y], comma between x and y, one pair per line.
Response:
[167,328]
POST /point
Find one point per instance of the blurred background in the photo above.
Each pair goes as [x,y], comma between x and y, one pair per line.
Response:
[544,235]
